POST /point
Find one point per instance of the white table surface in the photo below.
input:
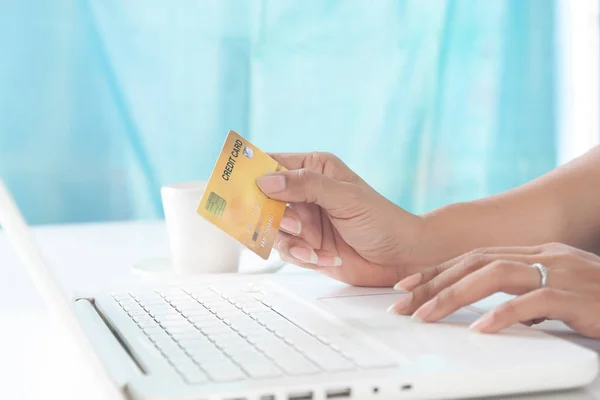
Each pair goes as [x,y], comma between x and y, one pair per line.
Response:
[38,358]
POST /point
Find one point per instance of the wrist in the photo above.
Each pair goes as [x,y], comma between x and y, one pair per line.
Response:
[414,243]
[445,234]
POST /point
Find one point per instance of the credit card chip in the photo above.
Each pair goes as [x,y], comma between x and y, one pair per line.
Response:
[215,204]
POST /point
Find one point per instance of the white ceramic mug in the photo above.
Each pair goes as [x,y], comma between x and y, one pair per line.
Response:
[197,246]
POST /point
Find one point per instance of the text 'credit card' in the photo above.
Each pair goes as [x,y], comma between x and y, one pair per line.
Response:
[232,200]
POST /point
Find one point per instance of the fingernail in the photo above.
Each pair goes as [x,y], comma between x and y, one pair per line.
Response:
[330,261]
[424,311]
[482,323]
[401,304]
[304,255]
[291,225]
[408,283]
[271,183]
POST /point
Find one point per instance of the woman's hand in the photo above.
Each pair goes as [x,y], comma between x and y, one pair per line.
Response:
[572,293]
[339,225]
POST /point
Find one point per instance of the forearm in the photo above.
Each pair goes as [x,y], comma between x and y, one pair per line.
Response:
[561,206]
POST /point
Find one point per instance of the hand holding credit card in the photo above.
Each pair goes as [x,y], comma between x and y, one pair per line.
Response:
[234,203]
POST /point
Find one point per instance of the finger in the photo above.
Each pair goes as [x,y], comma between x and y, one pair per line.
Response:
[304,254]
[290,160]
[533,321]
[542,303]
[561,248]
[525,250]
[324,163]
[291,222]
[499,276]
[306,186]
[298,251]
[469,258]
[311,223]
[427,289]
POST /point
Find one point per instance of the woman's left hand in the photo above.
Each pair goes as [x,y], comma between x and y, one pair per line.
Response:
[572,293]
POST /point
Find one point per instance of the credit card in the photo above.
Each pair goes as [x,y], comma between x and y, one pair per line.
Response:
[232,200]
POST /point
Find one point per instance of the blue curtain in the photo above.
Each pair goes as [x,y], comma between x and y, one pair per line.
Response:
[103,101]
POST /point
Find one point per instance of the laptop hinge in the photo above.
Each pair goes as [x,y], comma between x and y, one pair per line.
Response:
[106,346]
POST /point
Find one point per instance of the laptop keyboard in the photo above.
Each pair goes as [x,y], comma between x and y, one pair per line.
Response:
[213,334]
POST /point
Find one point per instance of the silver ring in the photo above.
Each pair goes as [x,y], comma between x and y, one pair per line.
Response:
[543,274]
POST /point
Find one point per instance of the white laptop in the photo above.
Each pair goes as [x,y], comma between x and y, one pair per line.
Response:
[291,337]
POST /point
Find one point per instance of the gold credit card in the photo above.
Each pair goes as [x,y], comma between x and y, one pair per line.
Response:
[232,200]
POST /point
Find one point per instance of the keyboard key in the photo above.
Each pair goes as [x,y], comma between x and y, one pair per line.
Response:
[179,358]
[280,352]
[197,311]
[242,327]
[155,329]
[142,317]
[241,318]
[192,334]
[160,311]
[228,314]
[120,296]
[168,347]
[188,302]
[172,355]
[246,328]
[187,366]
[147,324]
[162,343]
[204,296]
[128,304]
[157,333]
[248,357]
[263,371]
[232,344]
[137,312]
[225,372]
[198,378]
[173,293]
[216,330]
[177,326]
[297,366]
[209,302]
[170,316]
[175,322]
[157,306]
[205,321]
[194,342]
[204,354]
[215,362]
[193,376]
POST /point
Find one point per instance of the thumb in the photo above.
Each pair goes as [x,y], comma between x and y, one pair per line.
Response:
[305,186]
